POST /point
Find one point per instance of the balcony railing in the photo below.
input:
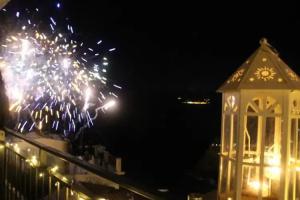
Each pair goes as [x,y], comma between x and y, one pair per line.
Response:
[30,170]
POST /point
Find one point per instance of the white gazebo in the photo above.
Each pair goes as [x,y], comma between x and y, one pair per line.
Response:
[260,154]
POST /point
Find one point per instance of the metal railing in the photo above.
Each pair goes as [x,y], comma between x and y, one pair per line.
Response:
[30,170]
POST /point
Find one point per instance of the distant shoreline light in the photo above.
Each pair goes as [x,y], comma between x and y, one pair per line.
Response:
[204,102]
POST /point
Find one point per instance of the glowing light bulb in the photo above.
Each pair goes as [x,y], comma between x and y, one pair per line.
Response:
[64,179]
[17,148]
[54,169]
[33,161]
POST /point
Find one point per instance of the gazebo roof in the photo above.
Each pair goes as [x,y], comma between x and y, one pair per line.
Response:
[262,70]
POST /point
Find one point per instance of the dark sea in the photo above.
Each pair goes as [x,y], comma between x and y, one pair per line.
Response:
[164,143]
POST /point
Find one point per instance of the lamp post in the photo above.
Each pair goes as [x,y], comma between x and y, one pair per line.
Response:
[260,154]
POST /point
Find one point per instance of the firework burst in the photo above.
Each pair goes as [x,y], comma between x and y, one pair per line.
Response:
[53,82]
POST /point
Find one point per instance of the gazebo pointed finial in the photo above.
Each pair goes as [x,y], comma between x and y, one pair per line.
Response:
[267,46]
[264,41]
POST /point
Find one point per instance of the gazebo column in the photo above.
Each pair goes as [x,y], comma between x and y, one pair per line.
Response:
[240,149]
[285,146]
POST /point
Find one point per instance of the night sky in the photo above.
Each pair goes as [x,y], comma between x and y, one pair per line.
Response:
[174,49]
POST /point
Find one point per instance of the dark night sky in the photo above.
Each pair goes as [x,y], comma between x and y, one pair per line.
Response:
[173,49]
[169,49]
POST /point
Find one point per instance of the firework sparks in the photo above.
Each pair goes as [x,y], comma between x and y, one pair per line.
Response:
[53,81]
